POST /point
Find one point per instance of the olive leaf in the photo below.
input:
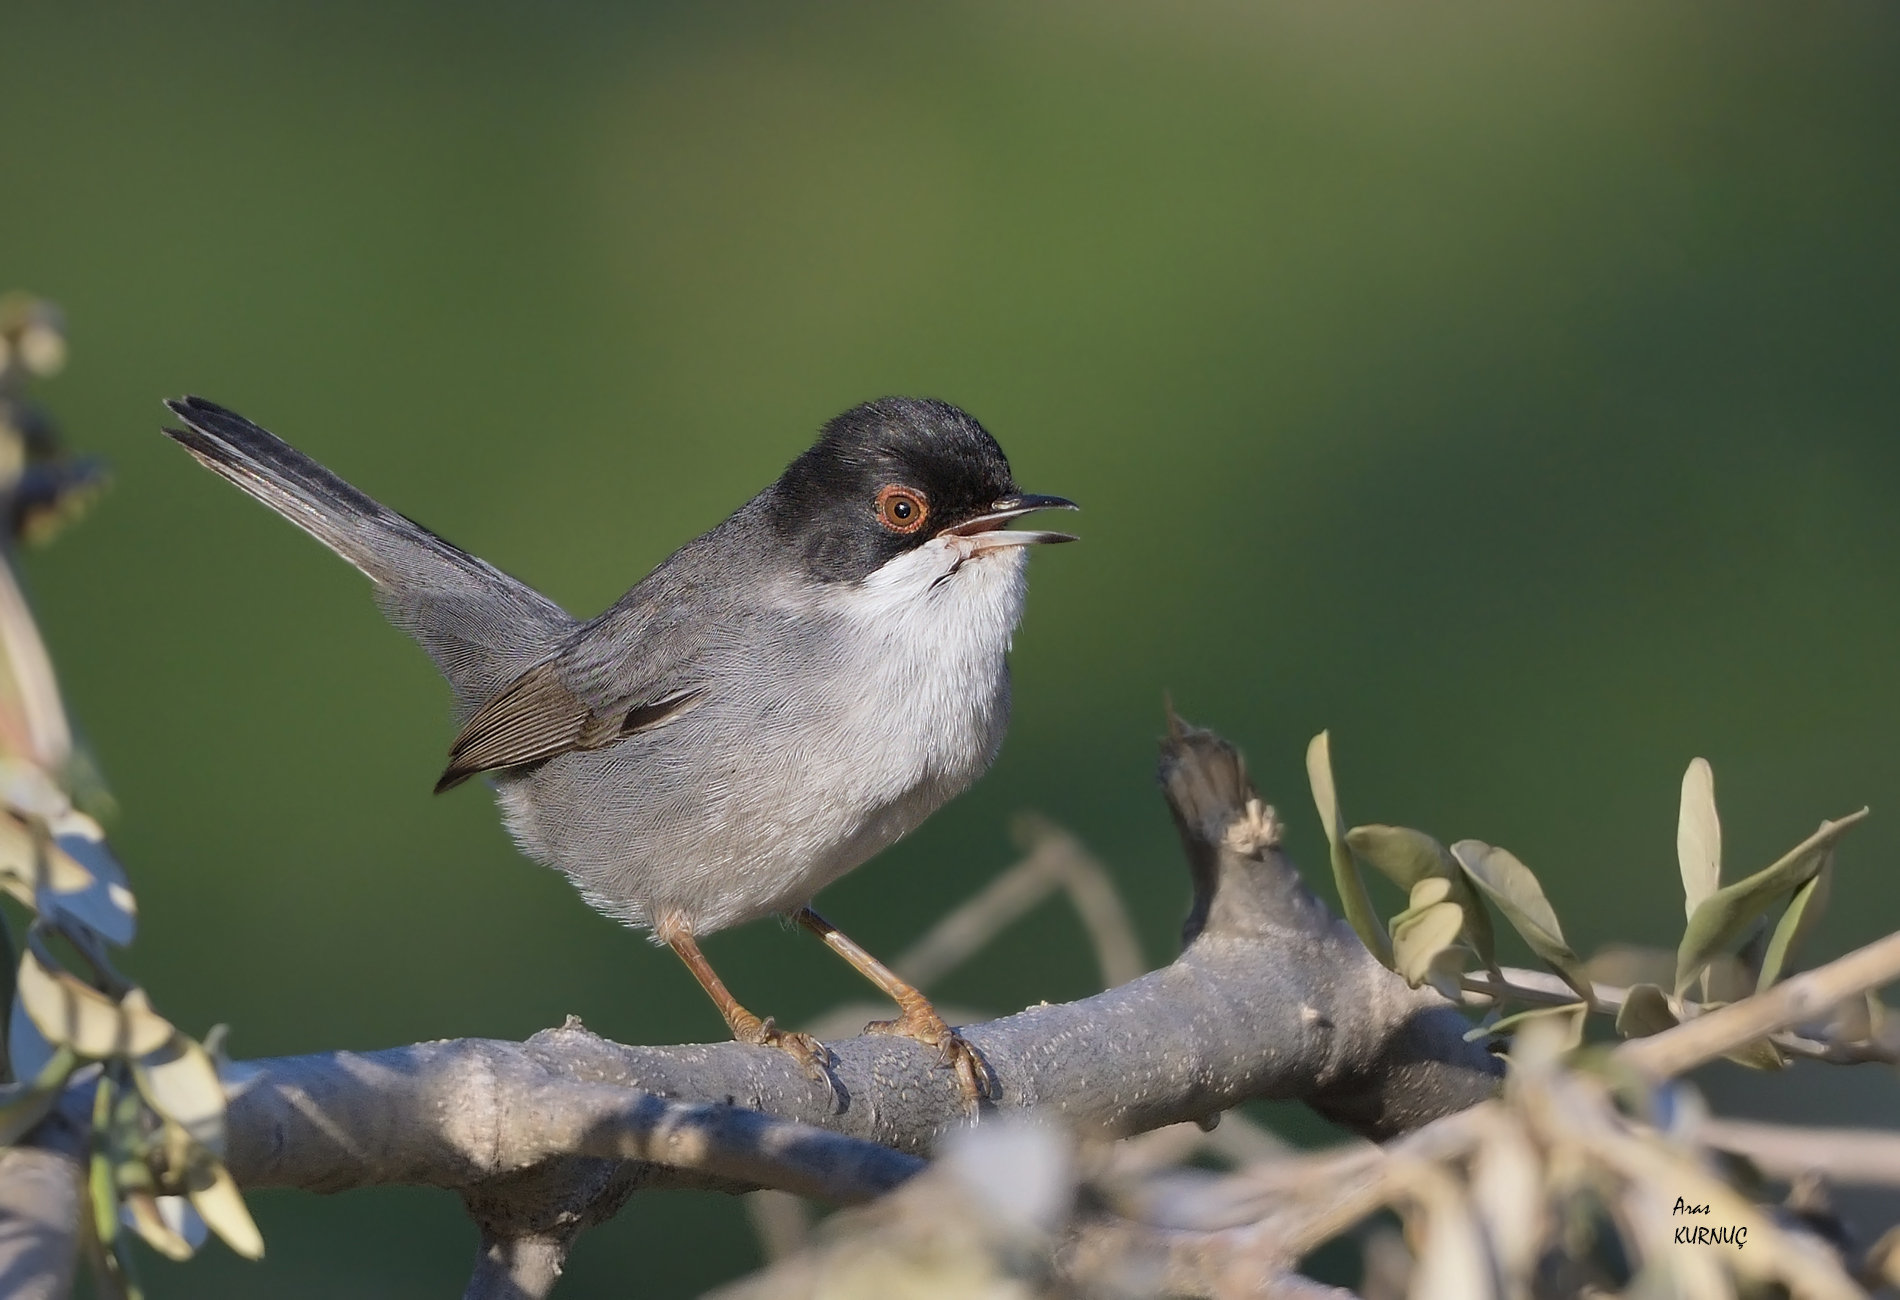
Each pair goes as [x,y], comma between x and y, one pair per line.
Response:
[1797,922]
[215,1196]
[1645,1011]
[1405,857]
[1723,916]
[27,1048]
[181,1083]
[1511,885]
[1352,888]
[68,1011]
[104,902]
[177,1214]
[1758,1055]
[1698,836]
[1577,1011]
[1400,854]
[1420,935]
[142,1208]
[30,706]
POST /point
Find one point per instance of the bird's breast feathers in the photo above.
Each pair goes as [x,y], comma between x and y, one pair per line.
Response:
[929,637]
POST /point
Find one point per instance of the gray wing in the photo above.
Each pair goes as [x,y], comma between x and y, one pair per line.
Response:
[541,715]
[638,666]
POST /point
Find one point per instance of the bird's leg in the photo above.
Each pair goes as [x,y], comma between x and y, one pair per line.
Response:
[745,1027]
[919,1020]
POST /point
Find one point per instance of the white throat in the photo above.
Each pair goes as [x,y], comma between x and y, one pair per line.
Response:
[947,593]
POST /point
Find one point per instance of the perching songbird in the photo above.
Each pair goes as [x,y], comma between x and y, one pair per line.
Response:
[771,706]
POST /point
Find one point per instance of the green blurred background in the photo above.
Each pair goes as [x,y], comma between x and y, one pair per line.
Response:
[1512,389]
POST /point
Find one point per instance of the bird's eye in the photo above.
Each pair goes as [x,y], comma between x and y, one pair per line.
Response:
[901,509]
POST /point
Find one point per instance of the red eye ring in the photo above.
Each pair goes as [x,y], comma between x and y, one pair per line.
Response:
[902,510]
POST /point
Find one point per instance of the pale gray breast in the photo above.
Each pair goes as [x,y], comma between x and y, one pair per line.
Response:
[831,727]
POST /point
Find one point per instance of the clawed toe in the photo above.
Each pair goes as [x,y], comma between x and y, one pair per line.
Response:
[975,1080]
[801,1047]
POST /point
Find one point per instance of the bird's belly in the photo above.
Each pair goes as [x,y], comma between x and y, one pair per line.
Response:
[796,772]
[730,815]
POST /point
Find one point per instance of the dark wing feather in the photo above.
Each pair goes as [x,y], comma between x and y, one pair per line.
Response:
[540,716]
[636,667]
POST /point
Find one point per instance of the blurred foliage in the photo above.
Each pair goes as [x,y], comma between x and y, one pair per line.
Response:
[1434,939]
[1581,1180]
[156,1165]
[1510,390]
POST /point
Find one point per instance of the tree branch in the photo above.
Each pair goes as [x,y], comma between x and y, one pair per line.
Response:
[1271,998]
[42,1180]
[1863,1156]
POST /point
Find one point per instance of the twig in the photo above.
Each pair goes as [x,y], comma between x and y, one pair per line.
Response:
[1534,988]
[1804,997]
[1542,989]
[1864,1157]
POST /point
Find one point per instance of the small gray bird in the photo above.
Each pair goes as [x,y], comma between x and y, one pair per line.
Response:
[775,703]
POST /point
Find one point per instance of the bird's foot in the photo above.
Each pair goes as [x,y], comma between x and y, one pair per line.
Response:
[921,1023]
[803,1048]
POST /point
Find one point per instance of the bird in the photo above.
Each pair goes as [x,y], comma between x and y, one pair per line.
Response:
[779,700]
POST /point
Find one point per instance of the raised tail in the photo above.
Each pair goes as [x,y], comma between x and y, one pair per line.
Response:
[482,628]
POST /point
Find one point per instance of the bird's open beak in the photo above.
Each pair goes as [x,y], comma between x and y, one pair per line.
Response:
[991,530]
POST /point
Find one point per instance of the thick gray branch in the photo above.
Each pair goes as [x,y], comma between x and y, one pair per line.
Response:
[1271,998]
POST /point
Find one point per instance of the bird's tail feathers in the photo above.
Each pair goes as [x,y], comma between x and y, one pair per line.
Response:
[482,627]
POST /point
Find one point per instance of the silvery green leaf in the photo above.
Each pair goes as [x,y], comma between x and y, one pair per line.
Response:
[27,1048]
[1724,915]
[1804,911]
[1698,836]
[216,1197]
[1758,1055]
[1510,1024]
[1511,885]
[67,1010]
[1645,1011]
[1542,1036]
[1405,857]
[1446,973]
[1400,854]
[182,1219]
[139,1210]
[1423,934]
[181,1083]
[29,692]
[1353,899]
[104,903]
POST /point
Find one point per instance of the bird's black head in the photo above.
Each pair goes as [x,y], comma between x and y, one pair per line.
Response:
[887,477]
